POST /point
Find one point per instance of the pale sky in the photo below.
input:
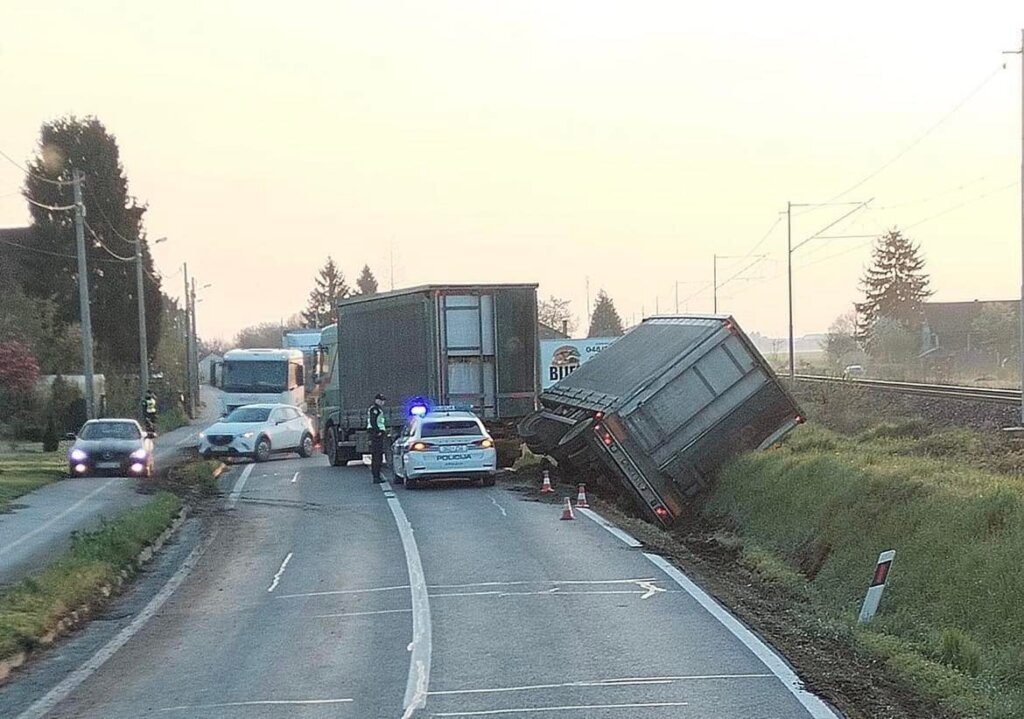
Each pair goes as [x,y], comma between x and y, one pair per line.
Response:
[545,141]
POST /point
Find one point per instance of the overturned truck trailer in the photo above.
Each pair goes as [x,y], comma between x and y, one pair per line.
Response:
[663,408]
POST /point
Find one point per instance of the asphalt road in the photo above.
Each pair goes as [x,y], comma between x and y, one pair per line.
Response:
[41,525]
[316,594]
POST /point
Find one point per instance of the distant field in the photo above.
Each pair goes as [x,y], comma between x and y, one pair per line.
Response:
[21,472]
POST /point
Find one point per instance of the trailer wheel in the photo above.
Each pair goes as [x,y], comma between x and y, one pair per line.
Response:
[331,443]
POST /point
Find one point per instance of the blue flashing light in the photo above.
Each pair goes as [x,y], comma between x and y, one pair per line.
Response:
[418,410]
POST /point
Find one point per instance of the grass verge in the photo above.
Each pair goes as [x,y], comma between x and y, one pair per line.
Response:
[198,476]
[171,419]
[813,515]
[22,472]
[33,608]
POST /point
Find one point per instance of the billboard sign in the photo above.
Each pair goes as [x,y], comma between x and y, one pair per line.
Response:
[560,358]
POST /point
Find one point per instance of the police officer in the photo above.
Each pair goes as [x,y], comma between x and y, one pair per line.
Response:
[149,408]
[377,425]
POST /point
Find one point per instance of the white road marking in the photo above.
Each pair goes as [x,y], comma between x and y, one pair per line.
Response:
[363,614]
[573,582]
[572,707]
[775,664]
[651,589]
[186,439]
[420,648]
[60,692]
[277,577]
[236,491]
[295,477]
[628,539]
[58,517]
[500,508]
[622,682]
[550,593]
[257,703]
[342,591]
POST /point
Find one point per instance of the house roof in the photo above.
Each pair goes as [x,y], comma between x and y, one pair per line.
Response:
[953,317]
[545,332]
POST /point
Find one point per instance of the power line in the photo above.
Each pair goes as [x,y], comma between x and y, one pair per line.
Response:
[99,206]
[107,249]
[61,183]
[921,137]
[48,252]
[53,208]
[962,204]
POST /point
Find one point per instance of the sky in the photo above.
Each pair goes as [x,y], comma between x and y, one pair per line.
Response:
[580,145]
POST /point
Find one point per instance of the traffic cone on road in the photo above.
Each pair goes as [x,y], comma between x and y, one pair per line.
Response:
[581,497]
[567,510]
[546,488]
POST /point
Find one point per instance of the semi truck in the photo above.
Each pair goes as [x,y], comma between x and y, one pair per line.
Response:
[252,376]
[663,408]
[468,346]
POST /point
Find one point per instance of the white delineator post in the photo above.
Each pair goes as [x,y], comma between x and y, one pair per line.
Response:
[874,595]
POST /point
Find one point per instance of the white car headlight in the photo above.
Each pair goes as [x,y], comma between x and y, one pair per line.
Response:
[78,455]
[248,435]
[139,454]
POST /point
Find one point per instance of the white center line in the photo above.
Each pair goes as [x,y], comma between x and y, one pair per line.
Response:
[363,614]
[500,508]
[257,703]
[295,477]
[573,707]
[58,517]
[621,682]
[277,577]
[421,647]
[236,491]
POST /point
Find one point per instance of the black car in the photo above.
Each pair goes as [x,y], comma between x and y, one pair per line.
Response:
[117,447]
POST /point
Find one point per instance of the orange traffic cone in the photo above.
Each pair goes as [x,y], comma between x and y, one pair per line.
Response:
[547,488]
[567,510]
[581,497]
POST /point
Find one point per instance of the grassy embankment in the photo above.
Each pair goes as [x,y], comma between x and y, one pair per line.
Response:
[22,472]
[34,607]
[814,514]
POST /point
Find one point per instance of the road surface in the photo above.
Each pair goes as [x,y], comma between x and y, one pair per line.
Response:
[41,526]
[316,594]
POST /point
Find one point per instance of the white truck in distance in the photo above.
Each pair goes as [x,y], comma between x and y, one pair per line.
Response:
[263,376]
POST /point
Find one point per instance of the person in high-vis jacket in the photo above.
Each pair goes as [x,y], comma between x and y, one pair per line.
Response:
[378,427]
[149,409]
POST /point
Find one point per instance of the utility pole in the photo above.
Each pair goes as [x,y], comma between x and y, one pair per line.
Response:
[789,276]
[140,291]
[790,250]
[189,408]
[714,283]
[677,296]
[1020,309]
[83,296]
[194,357]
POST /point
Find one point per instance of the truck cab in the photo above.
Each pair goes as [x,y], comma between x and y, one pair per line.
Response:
[263,376]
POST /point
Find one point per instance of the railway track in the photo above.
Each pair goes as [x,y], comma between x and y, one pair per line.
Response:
[977,394]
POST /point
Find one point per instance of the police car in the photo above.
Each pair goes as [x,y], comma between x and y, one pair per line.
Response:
[444,443]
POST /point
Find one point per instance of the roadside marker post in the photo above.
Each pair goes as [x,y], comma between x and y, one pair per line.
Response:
[874,595]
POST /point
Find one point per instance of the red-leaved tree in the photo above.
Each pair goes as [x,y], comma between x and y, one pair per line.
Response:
[19,369]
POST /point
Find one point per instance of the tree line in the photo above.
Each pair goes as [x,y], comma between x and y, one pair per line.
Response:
[40,327]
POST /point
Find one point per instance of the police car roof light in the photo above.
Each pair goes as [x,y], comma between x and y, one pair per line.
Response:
[418,410]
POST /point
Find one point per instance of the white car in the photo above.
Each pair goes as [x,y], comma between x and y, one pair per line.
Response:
[444,444]
[257,431]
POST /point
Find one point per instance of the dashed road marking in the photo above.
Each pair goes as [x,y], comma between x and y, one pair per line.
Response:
[570,707]
[617,682]
[258,703]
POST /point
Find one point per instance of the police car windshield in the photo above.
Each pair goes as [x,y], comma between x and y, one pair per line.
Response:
[110,430]
[451,428]
[248,414]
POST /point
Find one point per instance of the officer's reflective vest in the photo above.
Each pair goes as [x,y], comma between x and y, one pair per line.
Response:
[151,405]
[372,413]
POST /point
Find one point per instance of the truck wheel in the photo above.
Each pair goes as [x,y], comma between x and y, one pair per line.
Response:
[262,451]
[306,446]
[331,444]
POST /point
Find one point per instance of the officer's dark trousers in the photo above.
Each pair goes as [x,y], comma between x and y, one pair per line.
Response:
[376,456]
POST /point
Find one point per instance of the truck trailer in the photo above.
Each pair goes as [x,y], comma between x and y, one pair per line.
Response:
[663,408]
[470,346]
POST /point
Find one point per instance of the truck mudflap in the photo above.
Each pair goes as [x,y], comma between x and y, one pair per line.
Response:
[658,497]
